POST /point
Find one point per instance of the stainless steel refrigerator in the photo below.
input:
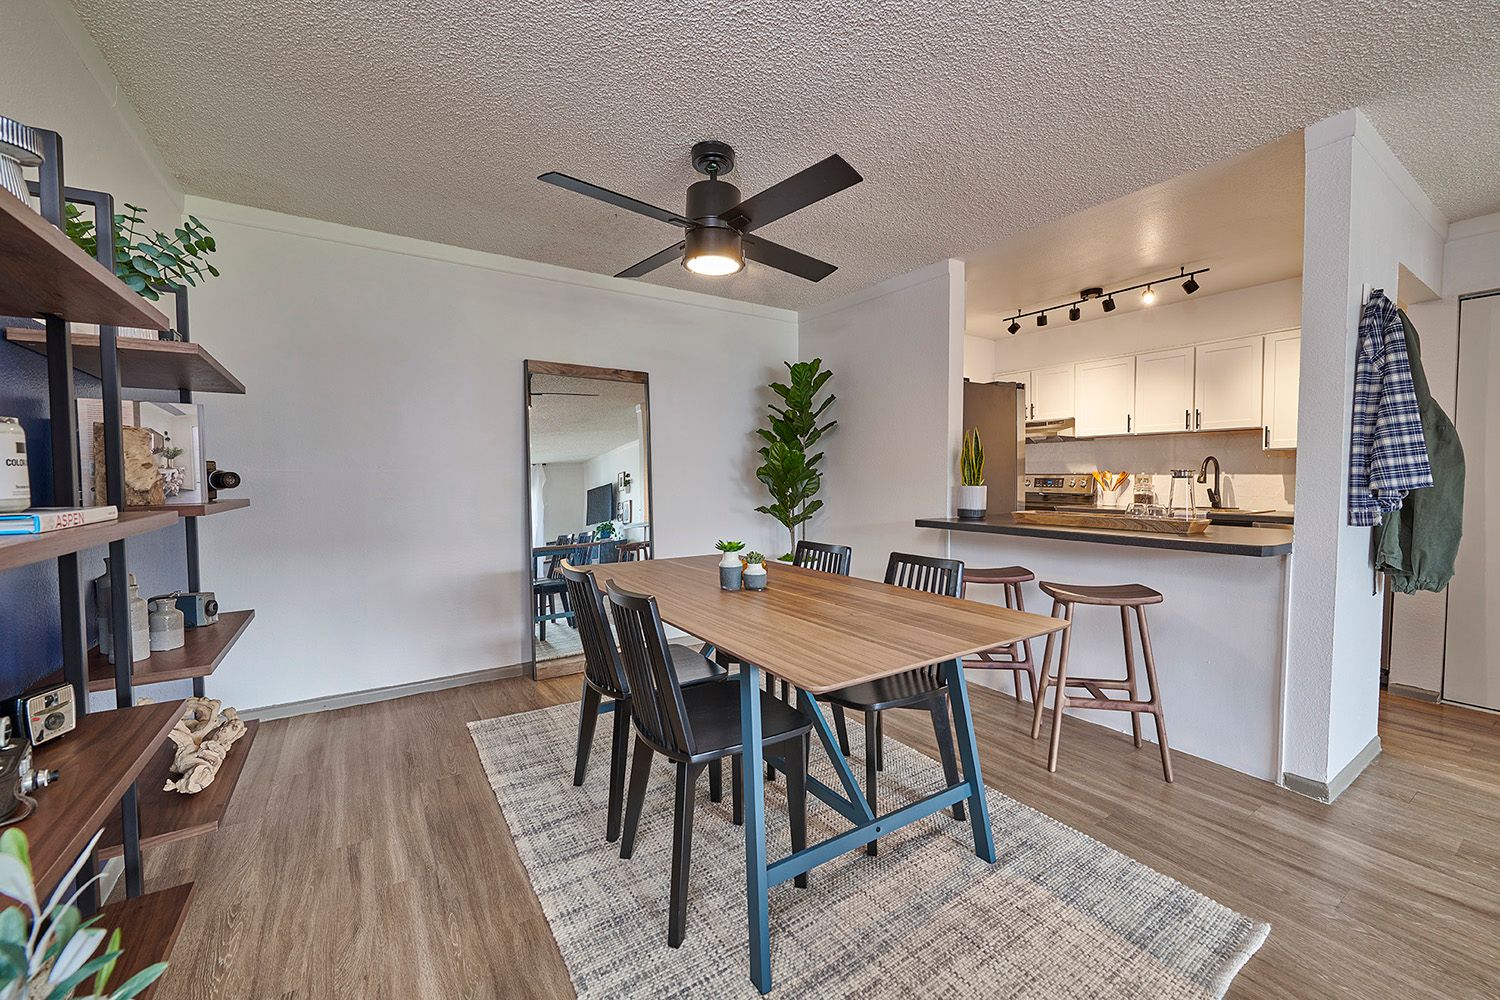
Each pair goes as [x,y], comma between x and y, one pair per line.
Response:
[997,410]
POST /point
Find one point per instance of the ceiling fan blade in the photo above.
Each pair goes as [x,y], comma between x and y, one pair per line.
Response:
[654,261]
[786,259]
[615,198]
[817,182]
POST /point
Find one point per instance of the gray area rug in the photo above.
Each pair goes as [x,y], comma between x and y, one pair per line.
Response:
[1060,914]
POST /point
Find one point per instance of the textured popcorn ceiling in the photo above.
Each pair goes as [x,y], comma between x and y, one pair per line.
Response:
[970,120]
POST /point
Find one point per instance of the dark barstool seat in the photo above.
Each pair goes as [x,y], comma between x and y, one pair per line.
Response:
[1131,599]
[1125,595]
[1003,574]
[1015,657]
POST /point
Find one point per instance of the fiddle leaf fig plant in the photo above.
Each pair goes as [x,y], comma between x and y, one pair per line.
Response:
[789,473]
[143,261]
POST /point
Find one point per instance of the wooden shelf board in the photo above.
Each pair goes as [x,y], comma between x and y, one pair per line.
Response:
[144,364]
[97,762]
[168,816]
[148,925]
[199,656]
[22,550]
[42,272]
[199,509]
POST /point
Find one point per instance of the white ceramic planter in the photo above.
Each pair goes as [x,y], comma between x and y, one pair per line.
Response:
[731,571]
[971,502]
[755,577]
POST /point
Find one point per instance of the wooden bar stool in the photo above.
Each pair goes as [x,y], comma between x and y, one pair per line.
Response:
[1016,656]
[1125,597]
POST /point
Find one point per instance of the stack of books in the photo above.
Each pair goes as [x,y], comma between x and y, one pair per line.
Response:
[40,519]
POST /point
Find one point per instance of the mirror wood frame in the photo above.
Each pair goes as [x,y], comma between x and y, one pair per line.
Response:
[533,367]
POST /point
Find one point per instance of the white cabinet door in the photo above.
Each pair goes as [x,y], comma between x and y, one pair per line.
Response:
[1104,393]
[1052,392]
[1283,358]
[1164,391]
[1227,388]
[1028,396]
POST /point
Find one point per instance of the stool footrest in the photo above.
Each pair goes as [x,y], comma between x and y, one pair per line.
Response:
[1110,704]
[1103,682]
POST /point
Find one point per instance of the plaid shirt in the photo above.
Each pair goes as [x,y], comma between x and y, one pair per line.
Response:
[1387,455]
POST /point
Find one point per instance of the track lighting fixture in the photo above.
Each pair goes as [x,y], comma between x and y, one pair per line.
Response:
[1106,299]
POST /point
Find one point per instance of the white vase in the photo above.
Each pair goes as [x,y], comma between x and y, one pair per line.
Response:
[755,577]
[971,502]
[731,571]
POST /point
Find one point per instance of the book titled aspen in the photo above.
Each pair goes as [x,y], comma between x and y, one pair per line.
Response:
[40,519]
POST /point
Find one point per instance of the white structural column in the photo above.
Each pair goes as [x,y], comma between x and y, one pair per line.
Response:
[1366,219]
[896,350]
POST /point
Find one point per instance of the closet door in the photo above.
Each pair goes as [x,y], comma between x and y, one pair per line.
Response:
[1164,391]
[1104,397]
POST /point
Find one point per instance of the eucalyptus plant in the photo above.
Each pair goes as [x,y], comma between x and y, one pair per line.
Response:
[789,473]
[143,261]
[47,952]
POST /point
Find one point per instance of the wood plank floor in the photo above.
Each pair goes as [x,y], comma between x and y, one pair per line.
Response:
[364,855]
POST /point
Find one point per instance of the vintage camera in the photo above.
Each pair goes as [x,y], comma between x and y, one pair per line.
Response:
[46,714]
[17,778]
[220,479]
[198,608]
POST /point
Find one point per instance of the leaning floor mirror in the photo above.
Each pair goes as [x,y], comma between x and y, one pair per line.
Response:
[588,497]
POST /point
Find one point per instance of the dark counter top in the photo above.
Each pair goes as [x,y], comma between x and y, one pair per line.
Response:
[1219,539]
[1245,518]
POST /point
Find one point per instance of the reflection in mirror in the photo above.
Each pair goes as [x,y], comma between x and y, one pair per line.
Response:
[588,492]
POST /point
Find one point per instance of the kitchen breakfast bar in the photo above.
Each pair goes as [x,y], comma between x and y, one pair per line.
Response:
[1219,633]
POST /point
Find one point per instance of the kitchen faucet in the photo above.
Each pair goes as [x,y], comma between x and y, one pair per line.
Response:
[1215,497]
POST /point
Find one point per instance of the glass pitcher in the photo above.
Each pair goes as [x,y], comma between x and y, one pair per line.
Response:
[1189,508]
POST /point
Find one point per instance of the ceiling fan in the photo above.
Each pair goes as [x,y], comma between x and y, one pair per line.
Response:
[719,223]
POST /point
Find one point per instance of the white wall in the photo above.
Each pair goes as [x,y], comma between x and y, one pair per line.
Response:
[1366,218]
[979,359]
[607,467]
[896,353]
[564,499]
[381,437]
[1471,263]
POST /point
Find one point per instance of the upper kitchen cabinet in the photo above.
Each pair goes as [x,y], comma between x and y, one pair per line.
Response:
[1283,359]
[1105,397]
[1164,391]
[1227,393]
[1049,391]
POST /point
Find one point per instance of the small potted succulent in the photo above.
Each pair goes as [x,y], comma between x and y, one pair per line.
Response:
[755,571]
[972,492]
[731,568]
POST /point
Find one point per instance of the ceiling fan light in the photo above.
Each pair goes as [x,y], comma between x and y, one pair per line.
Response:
[713,251]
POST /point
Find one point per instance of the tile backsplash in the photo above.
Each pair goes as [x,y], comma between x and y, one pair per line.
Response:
[1253,478]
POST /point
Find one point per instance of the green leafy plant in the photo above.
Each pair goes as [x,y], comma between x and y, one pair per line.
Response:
[724,546]
[170,453]
[754,559]
[971,460]
[605,530]
[47,952]
[143,261]
[789,473]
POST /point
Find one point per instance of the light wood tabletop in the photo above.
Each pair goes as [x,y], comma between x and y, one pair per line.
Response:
[818,631]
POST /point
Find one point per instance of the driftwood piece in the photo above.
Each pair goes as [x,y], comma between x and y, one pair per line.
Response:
[202,737]
[144,486]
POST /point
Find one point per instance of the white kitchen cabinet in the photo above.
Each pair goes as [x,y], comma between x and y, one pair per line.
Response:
[1024,378]
[1227,386]
[1052,392]
[1164,391]
[1104,397]
[1283,359]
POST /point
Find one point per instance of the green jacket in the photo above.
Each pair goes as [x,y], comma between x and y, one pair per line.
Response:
[1416,547]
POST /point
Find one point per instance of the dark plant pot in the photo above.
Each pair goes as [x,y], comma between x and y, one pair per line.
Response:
[756,581]
[730,577]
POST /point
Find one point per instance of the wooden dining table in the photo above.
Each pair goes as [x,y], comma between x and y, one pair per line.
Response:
[820,632]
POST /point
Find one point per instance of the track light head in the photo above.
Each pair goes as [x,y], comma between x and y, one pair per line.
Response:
[1074,313]
[1191,285]
[1148,296]
[1109,304]
[1041,319]
[1014,328]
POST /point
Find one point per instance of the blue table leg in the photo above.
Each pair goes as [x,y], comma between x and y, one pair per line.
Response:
[756,882]
[860,805]
[968,752]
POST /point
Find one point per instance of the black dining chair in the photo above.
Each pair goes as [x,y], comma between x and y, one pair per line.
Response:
[823,557]
[604,678]
[692,727]
[922,688]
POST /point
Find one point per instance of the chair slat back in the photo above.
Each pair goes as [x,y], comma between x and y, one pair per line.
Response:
[823,557]
[601,660]
[656,698]
[929,574]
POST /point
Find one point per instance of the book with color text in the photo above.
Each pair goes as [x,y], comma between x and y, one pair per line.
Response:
[40,519]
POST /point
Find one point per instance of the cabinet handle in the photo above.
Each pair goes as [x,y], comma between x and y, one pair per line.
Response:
[1033,411]
[1199,416]
[1268,436]
[1127,423]
[1187,420]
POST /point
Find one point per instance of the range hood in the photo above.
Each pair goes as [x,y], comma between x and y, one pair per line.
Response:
[1040,431]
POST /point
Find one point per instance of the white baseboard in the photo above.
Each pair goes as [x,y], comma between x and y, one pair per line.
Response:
[330,703]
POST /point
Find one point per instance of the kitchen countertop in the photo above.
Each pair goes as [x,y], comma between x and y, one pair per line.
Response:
[1247,518]
[1219,539]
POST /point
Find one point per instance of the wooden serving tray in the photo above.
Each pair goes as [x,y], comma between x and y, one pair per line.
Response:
[1113,520]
